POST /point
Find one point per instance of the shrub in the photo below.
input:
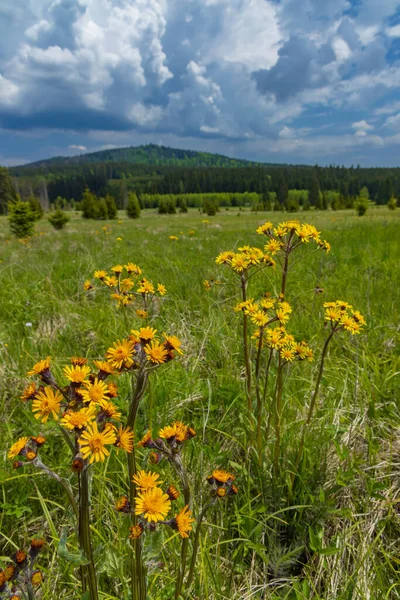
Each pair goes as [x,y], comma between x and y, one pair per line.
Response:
[361,206]
[58,219]
[102,212]
[392,204]
[210,207]
[21,219]
[89,205]
[36,207]
[111,207]
[133,208]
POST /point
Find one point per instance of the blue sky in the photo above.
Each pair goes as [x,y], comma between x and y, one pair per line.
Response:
[272,80]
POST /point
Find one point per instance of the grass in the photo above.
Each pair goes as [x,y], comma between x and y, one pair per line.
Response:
[337,536]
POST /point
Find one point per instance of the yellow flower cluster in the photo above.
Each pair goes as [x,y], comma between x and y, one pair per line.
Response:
[290,234]
[83,407]
[245,259]
[342,316]
[222,483]
[127,286]
[152,505]
[143,348]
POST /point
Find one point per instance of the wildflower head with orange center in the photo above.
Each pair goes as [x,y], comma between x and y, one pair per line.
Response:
[96,392]
[124,439]
[153,504]
[156,352]
[79,360]
[109,411]
[177,432]
[40,367]
[183,522]
[29,392]
[105,369]
[46,403]
[123,505]
[18,447]
[93,443]
[172,492]
[146,441]
[146,480]
[117,269]
[136,531]
[132,268]
[144,334]
[79,419]
[146,287]
[77,373]
[120,355]
[219,476]
[101,274]
[172,343]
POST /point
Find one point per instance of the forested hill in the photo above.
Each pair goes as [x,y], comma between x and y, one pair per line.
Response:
[149,154]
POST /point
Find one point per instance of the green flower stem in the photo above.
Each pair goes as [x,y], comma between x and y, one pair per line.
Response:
[177,461]
[258,396]
[196,542]
[138,581]
[84,533]
[246,347]
[278,414]
[312,404]
[30,590]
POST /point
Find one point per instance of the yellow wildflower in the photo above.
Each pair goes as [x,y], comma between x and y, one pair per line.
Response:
[93,443]
[47,403]
[153,504]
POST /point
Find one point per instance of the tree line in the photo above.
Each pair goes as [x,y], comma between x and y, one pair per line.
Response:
[120,179]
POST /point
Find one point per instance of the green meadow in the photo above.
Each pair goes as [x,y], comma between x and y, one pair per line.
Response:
[336,534]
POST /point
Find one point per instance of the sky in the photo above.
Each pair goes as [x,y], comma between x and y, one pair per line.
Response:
[298,81]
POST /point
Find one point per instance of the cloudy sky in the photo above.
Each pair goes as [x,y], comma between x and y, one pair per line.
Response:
[272,80]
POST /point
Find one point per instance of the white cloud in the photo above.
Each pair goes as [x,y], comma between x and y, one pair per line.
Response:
[78,148]
[227,69]
[393,31]
[362,125]
[341,49]
[393,122]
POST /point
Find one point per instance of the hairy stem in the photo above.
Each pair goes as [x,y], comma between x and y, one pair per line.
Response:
[278,414]
[177,461]
[196,542]
[258,396]
[84,533]
[138,583]
[246,347]
[312,404]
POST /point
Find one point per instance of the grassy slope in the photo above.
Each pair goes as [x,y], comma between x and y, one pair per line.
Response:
[347,492]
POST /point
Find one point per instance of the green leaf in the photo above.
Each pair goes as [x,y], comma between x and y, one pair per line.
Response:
[75,558]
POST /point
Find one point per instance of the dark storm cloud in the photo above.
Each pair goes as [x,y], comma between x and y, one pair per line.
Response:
[235,70]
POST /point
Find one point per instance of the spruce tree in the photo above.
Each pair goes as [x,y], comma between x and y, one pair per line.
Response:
[36,207]
[102,211]
[7,191]
[133,208]
[111,207]
[313,192]
[89,205]
[21,219]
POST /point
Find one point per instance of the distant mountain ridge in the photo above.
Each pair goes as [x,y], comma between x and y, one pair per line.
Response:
[150,154]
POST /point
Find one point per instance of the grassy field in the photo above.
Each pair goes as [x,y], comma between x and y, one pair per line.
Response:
[337,534]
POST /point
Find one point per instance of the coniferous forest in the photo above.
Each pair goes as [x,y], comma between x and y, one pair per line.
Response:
[151,170]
